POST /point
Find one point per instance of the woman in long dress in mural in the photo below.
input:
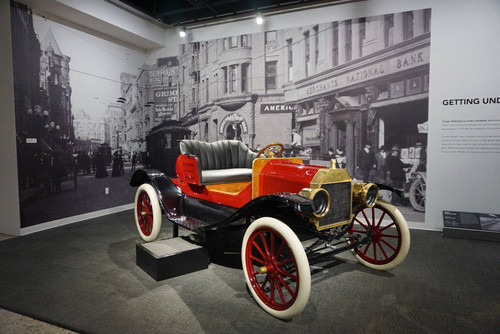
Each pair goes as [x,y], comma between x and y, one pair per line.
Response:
[100,166]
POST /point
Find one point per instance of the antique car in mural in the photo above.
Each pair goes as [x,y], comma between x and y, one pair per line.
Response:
[223,186]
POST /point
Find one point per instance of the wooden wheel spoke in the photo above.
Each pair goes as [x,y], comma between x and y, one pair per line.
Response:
[388,244]
[361,223]
[366,248]
[263,284]
[287,261]
[359,231]
[254,243]
[264,242]
[272,245]
[381,249]
[287,287]
[278,287]
[380,219]
[257,259]
[286,273]
[367,220]
[389,236]
[388,226]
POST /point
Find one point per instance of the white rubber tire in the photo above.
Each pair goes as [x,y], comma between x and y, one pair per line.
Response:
[404,238]
[147,212]
[303,276]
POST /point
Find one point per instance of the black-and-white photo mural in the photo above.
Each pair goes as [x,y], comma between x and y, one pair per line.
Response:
[72,91]
[89,112]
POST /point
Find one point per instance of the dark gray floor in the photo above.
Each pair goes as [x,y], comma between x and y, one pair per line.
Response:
[84,277]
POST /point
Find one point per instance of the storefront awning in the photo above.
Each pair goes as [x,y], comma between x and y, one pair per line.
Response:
[404,99]
[347,102]
[307,118]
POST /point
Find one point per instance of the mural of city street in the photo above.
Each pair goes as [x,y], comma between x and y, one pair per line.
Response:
[90,112]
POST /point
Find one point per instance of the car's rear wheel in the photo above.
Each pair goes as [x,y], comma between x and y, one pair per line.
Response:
[390,236]
[276,268]
[147,212]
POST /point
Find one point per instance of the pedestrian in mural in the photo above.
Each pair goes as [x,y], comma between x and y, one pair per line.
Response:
[340,158]
[116,171]
[33,165]
[100,166]
[120,163]
[94,162]
[44,173]
[396,168]
[422,157]
[296,138]
[366,161]
[380,157]
[134,161]
[330,154]
[88,162]
[296,143]
[56,173]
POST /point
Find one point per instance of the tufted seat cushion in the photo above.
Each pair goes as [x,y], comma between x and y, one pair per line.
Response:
[220,161]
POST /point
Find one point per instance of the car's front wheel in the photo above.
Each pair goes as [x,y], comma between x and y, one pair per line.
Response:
[147,212]
[389,234]
[276,268]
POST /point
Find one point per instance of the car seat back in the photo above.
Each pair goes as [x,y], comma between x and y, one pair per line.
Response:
[222,154]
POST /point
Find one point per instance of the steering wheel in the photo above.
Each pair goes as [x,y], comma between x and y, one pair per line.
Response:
[269,150]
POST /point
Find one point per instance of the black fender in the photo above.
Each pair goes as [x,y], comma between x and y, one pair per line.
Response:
[141,176]
[169,195]
[291,208]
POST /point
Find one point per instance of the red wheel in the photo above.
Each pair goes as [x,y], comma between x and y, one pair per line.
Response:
[276,268]
[147,212]
[390,236]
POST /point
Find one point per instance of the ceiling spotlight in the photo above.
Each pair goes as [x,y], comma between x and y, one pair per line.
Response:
[182,32]
[259,19]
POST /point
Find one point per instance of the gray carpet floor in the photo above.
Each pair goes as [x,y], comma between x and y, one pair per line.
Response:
[83,277]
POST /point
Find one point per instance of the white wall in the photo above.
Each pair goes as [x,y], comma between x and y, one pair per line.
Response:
[465,50]
[9,195]
[103,19]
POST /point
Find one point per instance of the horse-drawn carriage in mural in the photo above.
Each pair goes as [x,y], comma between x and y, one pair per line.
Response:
[224,186]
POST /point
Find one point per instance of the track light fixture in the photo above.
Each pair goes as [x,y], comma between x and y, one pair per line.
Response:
[259,18]
[182,32]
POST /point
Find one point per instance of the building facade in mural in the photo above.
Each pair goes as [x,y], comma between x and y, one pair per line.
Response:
[90,132]
[340,85]
[55,81]
[147,100]
[224,83]
[42,90]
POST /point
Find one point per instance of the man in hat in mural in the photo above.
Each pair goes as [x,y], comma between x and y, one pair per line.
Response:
[340,158]
[396,168]
[296,142]
[366,161]
[380,161]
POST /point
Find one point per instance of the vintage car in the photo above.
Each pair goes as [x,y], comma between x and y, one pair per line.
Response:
[224,187]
